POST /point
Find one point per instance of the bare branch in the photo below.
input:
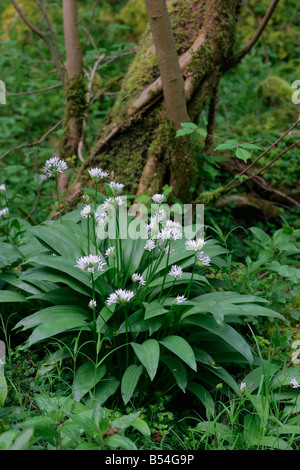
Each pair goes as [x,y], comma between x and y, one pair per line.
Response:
[88,35]
[33,144]
[240,55]
[43,36]
[32,92]
[43,10]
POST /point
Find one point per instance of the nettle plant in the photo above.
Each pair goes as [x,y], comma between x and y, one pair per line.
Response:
[134,303]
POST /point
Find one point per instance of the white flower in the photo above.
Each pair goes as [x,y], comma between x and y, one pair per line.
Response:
[113,201]
[2,188]
[100,218]
[294,382]
[86,212]
[195,245]
[97,174]
[150,245]
[175,271]
[92,303]
[202,259]
[243,386]
[4,212]
[90,263]
[158,198]
[120,296]
[180,299]
[111,251]
[54,165]
[138,278]
[116,188]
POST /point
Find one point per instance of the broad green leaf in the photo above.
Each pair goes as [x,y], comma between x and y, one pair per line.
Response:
[153,309]
[204,396]
[11,296]
[9,254]
[105,389]
[226,332]
[3,388]
[178,370]
[148,354]
[86,378]
[142,426]
[181,348]
[120,442]
[129,381]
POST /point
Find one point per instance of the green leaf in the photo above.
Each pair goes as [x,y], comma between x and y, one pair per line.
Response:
[226,332]
[148,354]
[153,309]
[181,348]
[178,370]
[204,396]
[189,125]
[120,442]
[229,145]
[3,388]
[242,154]
[129,381]
[86,377]
[105,389]
[10,296]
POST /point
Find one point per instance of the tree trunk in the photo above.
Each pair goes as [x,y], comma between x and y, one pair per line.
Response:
[75,88]
[138,141]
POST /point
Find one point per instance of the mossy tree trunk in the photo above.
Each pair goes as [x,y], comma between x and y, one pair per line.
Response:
[138,141]
[75,87]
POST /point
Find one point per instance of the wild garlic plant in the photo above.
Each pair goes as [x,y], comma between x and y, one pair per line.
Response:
[142,295]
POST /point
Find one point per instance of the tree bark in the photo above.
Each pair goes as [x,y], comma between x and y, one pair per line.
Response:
[138,142]
[75,88]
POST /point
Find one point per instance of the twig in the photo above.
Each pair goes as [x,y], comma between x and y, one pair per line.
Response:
[272,146]
[90,25]
[32,92]
[43,36]
[240,55]
[43,10]
[33,144]
[265,167]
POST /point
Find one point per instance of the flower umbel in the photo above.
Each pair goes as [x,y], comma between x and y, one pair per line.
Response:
[202,259]
[54,165]
[97,174]
[120,296]
[175,271]
[138,278]
[92,303]
[90,263]
[4,212]
[294,382]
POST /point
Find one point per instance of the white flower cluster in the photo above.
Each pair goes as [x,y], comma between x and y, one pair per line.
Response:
[54,165]
[195,245]
[86,212]
[180,299]
[160,230]
[138,278]
[2,188]
[4,212]
[111,251]
[116,188]
[175,271]
[158,198]
[120,296]
[90,263]
[202,259]
[97,174]
[113,202]
[294,382]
